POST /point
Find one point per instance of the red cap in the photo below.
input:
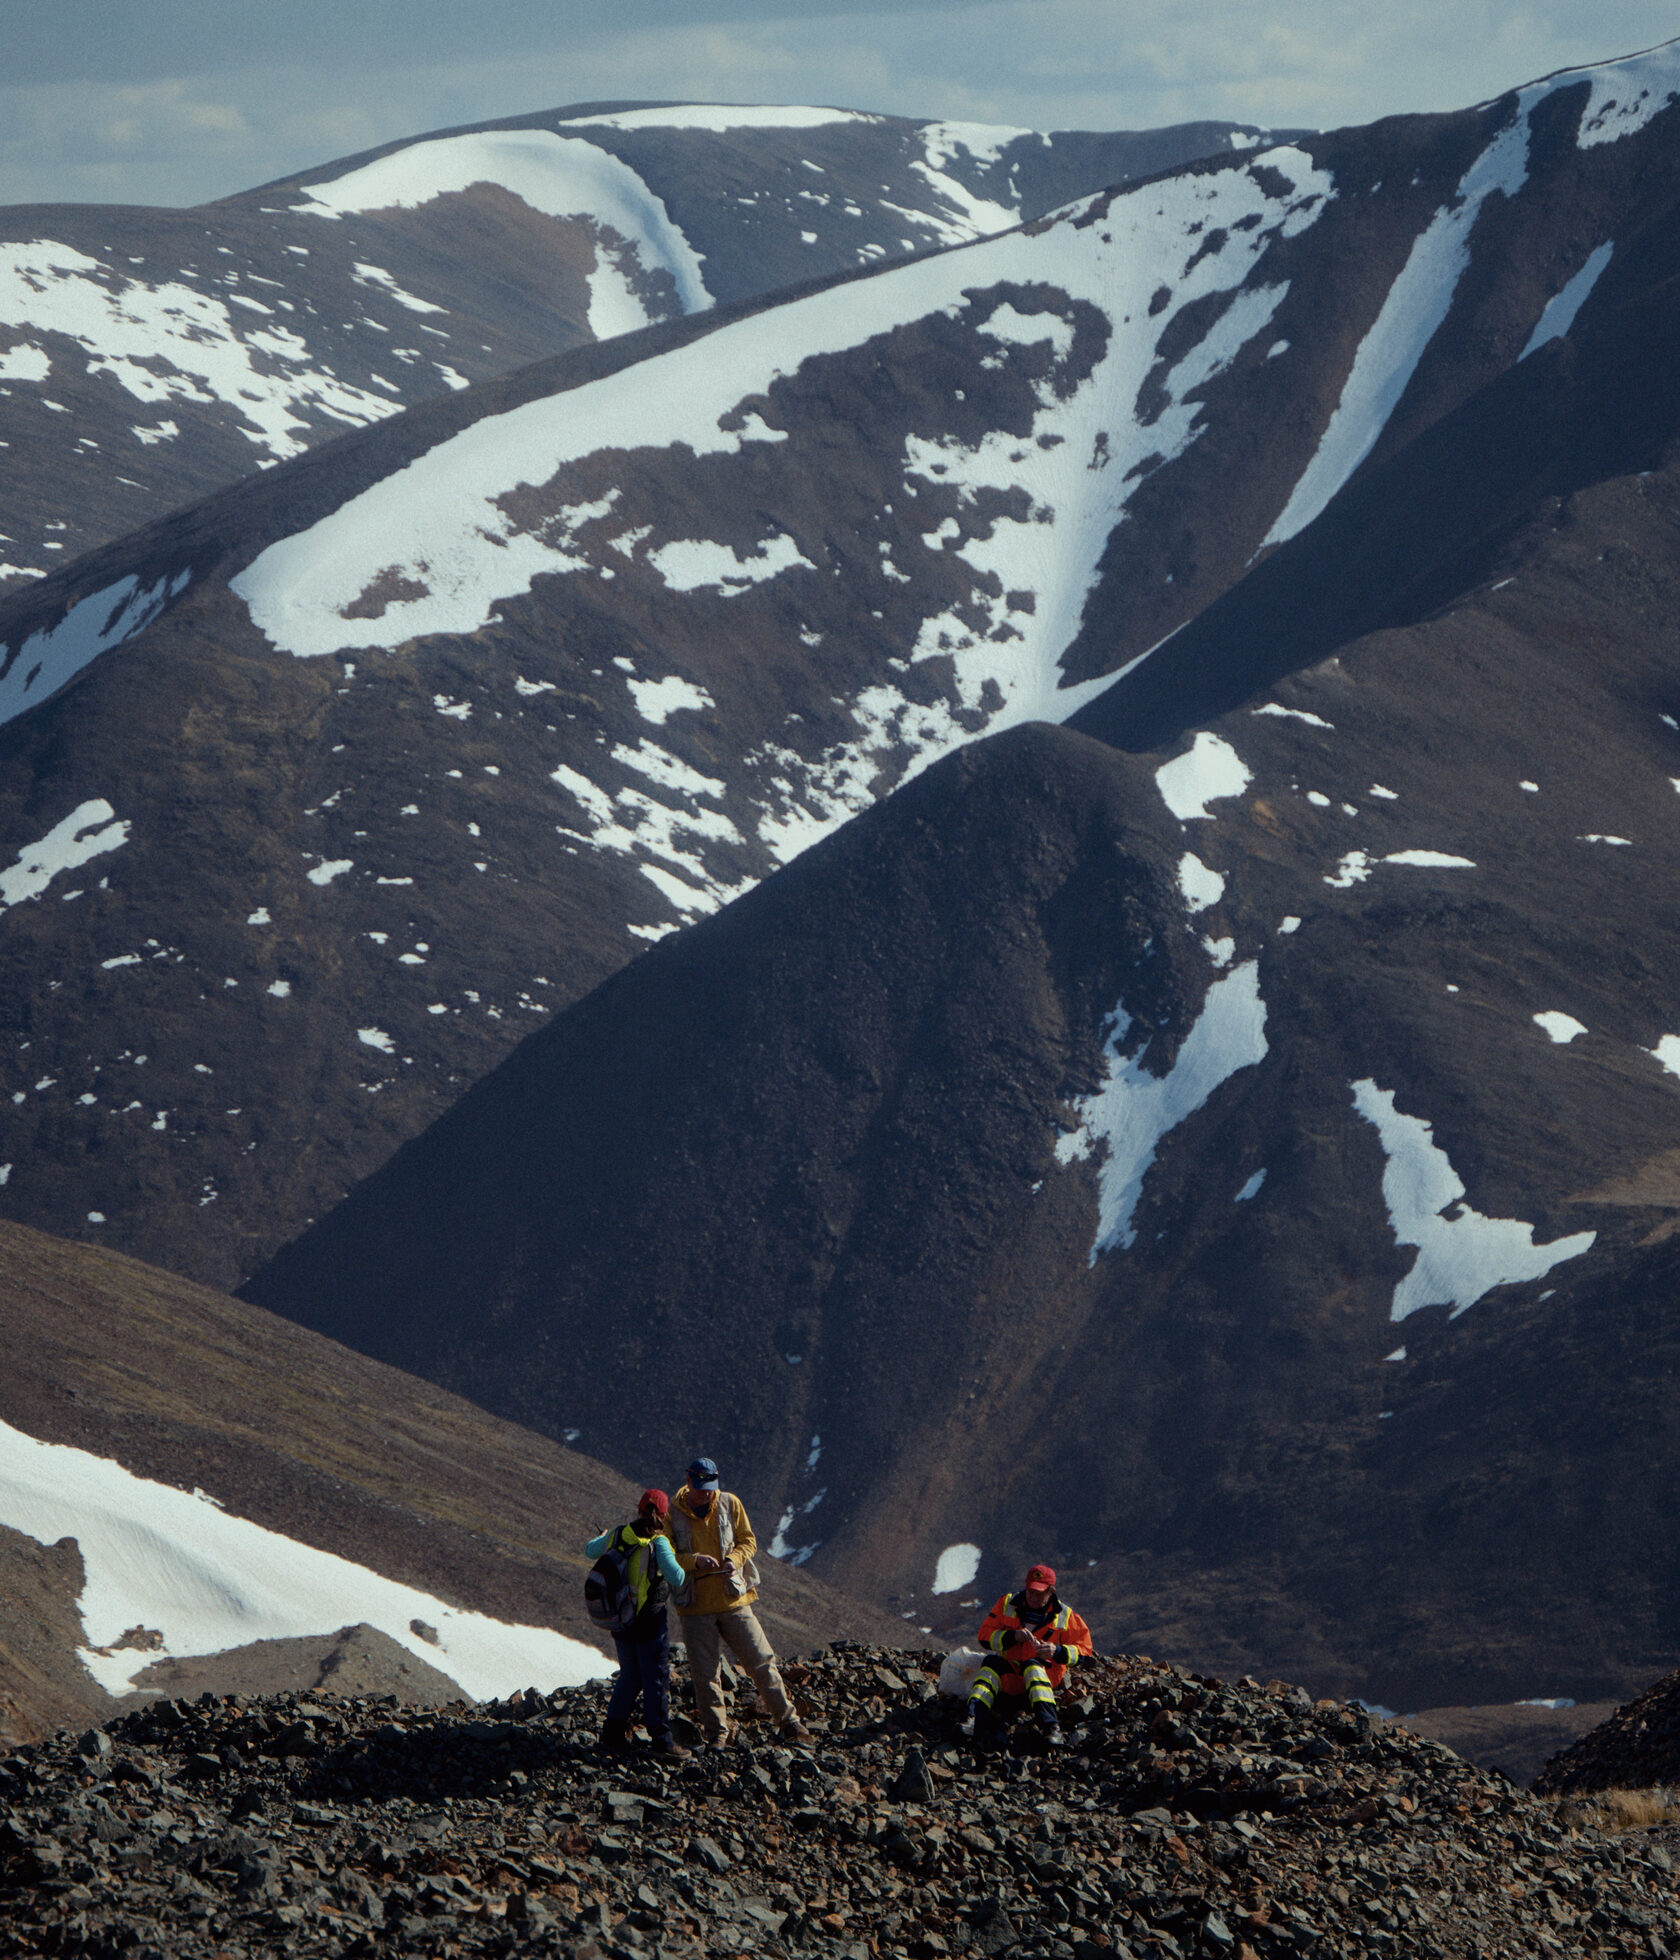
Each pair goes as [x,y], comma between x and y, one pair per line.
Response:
[654,1501]
[1041,1579]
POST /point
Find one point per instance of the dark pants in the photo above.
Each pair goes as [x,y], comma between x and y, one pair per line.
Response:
[644,1666]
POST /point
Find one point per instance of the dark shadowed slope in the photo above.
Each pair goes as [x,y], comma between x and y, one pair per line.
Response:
[121,1368]
[1246,1173]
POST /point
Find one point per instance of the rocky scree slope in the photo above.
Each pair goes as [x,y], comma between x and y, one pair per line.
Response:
[1277,1126]
[1636,1749]
[149,356]
[1186,1816]
[377,758]
[259,1448]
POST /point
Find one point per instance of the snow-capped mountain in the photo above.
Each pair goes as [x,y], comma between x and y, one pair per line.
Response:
[149,356]
[1234,1157]
[376,759]
[1122,1064]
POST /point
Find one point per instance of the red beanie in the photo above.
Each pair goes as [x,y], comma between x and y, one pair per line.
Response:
[654,1502]
[1041,1575]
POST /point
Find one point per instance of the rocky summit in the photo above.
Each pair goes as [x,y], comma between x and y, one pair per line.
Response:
[1184,1816]
[1637,1747]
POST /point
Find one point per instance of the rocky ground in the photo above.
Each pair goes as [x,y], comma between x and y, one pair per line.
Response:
[1184,1816]
[1639,1746]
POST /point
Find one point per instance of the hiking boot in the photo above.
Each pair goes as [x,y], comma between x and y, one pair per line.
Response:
[670,1748]
[794,1730]
[615,1737]
[982,1725]
[1050,1730]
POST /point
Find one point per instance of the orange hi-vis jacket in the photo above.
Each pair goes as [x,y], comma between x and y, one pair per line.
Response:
[1004,1626]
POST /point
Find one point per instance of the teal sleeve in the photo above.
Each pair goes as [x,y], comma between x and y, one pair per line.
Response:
[597,1546]
[669,1570]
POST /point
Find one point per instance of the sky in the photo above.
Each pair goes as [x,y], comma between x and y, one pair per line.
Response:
[180,101]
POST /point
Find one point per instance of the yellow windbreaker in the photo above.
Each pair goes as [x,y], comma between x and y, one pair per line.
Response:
[724,1533]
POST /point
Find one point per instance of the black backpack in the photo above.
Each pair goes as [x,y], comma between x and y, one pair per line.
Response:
[608,1594]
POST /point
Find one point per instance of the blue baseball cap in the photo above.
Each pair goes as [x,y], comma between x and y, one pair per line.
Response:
[702,1474]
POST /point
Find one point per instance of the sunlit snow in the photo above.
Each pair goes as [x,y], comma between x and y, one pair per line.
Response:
[169,1561]
[49,658]
[696,564]
[1417,303]
[720,116]
[1561,1028]
[1461,1253]
[562,176]
[1667,1051]
[1133,1110]
[90,830]
[176,343]
[657,701]
[957,1567]
[1201,886]
[1208,771]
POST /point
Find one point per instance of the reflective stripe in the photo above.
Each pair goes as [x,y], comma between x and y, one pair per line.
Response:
[1039,1689]
[985,1687]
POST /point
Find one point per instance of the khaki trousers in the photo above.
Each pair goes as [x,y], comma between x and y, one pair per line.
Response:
[705,1635]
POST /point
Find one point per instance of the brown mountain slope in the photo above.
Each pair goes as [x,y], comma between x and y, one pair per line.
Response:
[150,356]
[454,716]
[825,1126]
[190,1388]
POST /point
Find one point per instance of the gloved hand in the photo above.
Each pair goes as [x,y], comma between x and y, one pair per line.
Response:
[1046,1651]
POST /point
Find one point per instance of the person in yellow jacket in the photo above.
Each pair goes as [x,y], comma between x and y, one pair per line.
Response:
[714,1543]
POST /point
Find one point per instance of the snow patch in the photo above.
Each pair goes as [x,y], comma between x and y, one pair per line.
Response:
[1667,1051]
[657,701]
[162,1558]
[1462,1256]
[25,363]
[1431,860]
[1133,1110]
[957,1567]
[561,176]
[1560,310]
[90,830]
[1201,886]
[716,117]
[1293,714]
[176,343]
[1562,1028]
[1417,303]
[50,657]
[329,869]
[697,564]
[1251,1189]
[1208,771]
[376,1038]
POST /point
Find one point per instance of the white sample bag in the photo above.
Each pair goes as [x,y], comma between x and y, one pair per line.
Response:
[957,1671]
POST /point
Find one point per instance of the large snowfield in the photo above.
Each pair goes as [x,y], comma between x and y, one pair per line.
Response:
[174,1564]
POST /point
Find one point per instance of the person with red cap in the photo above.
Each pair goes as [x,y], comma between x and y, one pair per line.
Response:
[644,1646]
[1031,1640]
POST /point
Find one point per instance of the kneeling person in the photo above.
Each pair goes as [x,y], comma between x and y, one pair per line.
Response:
[1032,1640]
[644,1647]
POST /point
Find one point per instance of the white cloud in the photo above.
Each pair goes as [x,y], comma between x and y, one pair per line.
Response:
[199,106]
